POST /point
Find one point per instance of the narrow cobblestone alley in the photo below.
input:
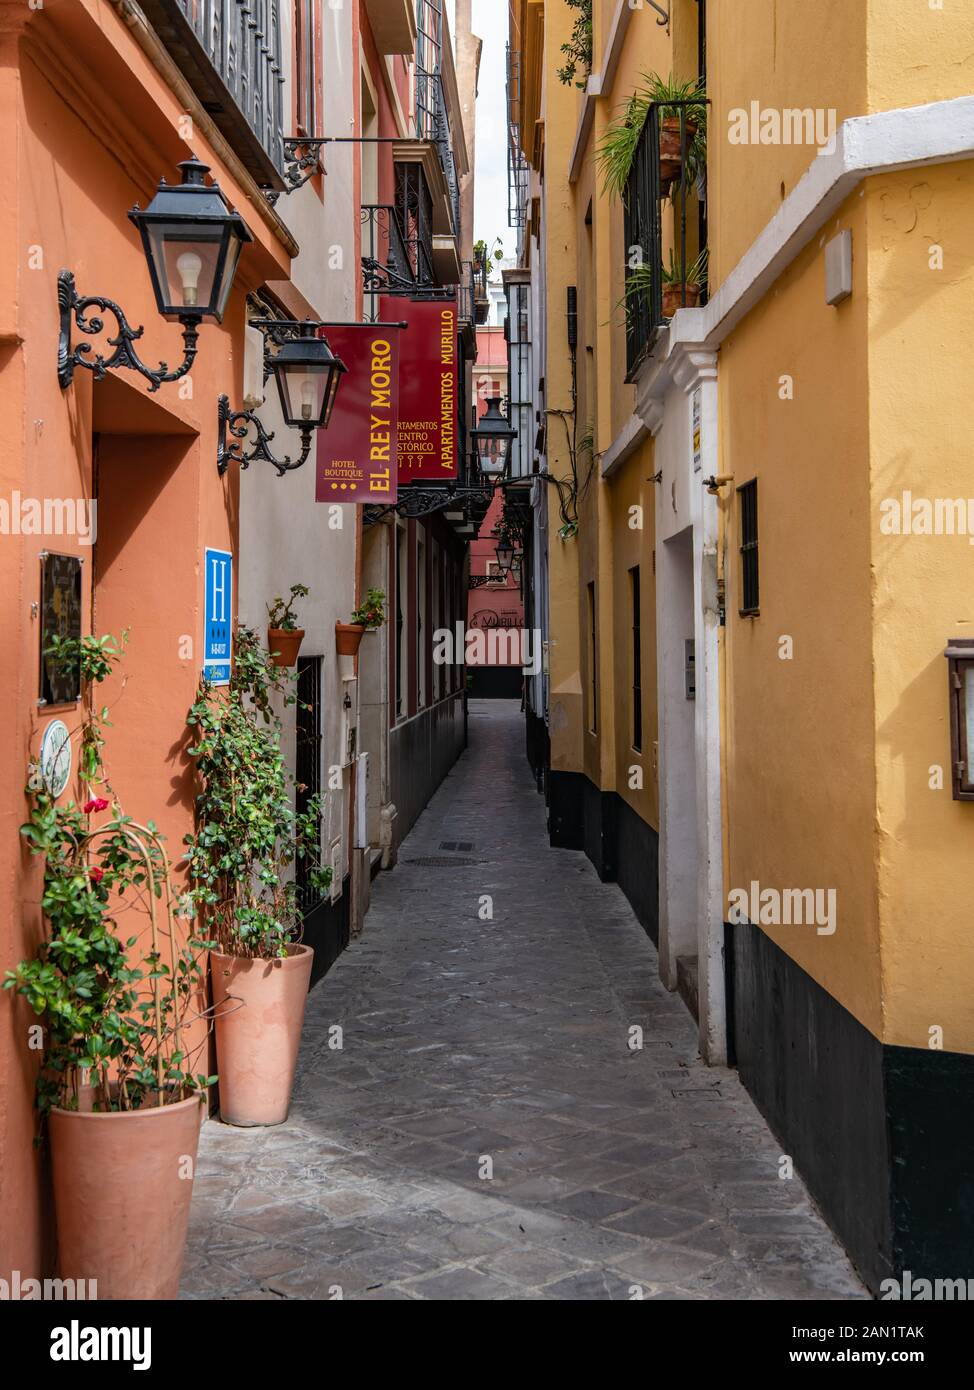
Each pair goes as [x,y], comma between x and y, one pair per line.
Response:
[616,1173]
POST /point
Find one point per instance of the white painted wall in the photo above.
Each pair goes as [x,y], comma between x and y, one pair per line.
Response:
[691,880]
[285,536]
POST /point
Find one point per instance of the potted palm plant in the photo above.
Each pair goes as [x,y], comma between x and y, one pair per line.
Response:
[120,1007]
[284,637]
[241,859]
[682,127]
[682,154]
[682,289]
[369,615]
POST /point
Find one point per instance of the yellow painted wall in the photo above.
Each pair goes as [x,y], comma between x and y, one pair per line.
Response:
[918,54]
[919,423]
[783,54]
[631,487]
[798,736]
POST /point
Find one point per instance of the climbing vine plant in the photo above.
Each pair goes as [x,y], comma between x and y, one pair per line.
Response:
[578,49]
[114,1006]
[248,834]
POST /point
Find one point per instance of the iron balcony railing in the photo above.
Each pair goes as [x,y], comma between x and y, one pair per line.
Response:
[467,311]
[663,208]
[517,165]
[230,53]
[386,264]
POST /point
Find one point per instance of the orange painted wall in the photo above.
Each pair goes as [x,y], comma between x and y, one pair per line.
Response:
[89,127]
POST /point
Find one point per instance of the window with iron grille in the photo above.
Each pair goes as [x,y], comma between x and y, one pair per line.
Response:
[637,661]
[306,66]
[307,765]
[748,520]
[593,656]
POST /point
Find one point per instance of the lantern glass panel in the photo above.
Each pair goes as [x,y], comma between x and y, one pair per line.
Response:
[186,261]
[306,393]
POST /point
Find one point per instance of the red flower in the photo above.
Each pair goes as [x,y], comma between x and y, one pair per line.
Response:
[96,875]
[97,803]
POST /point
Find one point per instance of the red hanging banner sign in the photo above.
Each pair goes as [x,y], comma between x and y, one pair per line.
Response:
[428,387]
[356,459]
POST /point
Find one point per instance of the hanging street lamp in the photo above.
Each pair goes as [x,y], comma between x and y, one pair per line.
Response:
[192,241]
[308,375]
[492,439]
[504,551]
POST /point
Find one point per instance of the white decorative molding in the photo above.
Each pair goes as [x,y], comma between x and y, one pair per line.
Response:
[626,442]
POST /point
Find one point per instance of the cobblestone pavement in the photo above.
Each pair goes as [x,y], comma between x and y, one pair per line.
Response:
[616,1174]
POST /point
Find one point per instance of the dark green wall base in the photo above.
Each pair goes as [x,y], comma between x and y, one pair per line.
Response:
[537,745]
[326,929]
[621,845]
[883,1136]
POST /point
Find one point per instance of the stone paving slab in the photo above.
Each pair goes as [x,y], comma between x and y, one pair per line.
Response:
[485,1132]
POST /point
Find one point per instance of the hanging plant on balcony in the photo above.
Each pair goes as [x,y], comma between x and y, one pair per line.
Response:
[578,49]
[241,859]
[682,287]
[679,289]
[117,986]
[680,159]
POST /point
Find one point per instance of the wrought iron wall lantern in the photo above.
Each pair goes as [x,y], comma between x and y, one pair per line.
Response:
[192,241]
[504,551]
[307,373]
[302,160]
[492,439]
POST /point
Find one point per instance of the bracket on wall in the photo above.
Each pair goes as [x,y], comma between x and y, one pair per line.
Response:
[660,11]
[238,423]
[73,309]
[302,160]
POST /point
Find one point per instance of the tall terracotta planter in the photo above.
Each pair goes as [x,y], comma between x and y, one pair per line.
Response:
[122,1188]
[285,643]
[348,638]
[259,1011]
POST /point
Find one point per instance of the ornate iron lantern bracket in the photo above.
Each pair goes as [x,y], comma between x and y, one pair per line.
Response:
[74,310]
[237,423]
[302,160]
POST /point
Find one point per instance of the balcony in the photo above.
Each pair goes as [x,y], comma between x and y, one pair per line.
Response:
[393,25]
[229,51]
[665,228]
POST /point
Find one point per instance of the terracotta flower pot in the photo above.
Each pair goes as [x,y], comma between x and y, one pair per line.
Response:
[284,644]
[259,1011]
[671,149]
[348,638]
[673,298]
[122,1188]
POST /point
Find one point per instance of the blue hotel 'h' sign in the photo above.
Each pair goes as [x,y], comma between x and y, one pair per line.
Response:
[218,620]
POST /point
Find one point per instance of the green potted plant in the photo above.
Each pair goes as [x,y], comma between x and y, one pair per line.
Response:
[678,290]
[284,637]
[679,157]
[682,290]
[241,861]
[369,615]
[120,990]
